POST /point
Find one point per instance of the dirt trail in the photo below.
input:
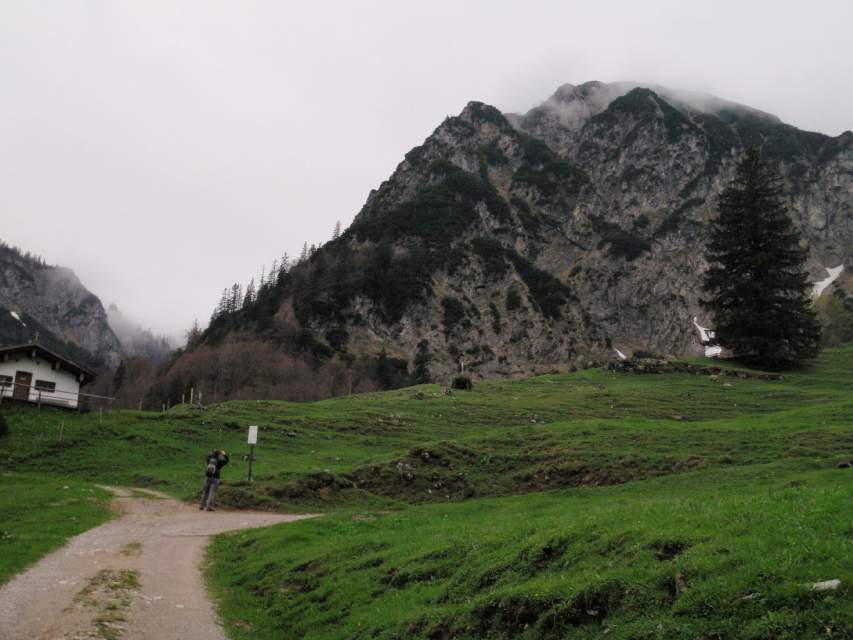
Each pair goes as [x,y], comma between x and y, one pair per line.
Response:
[135,577]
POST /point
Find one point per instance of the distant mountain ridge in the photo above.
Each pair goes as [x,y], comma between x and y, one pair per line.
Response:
[508,244]
[50,304]
[135,340]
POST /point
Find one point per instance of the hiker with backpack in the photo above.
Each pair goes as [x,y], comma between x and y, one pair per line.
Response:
[215,461]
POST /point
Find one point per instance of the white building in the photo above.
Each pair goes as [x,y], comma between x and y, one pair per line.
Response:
[31,373]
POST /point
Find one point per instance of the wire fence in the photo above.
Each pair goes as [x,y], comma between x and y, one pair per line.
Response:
[54,398]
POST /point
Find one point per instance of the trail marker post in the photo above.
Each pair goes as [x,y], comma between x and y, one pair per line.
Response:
[253,440]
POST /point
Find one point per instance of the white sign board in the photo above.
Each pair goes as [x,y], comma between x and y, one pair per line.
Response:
[253,434]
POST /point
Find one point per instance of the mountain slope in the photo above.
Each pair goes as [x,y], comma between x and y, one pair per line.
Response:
[52,303]
[135,340]
[513,243]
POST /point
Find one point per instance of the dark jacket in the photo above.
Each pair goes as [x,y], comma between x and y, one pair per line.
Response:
[219,461]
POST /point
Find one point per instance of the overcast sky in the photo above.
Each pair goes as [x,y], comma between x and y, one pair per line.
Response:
[164,150]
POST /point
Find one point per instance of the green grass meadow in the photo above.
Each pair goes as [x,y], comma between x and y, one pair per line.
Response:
[580,505]
[39,513]
[721,554]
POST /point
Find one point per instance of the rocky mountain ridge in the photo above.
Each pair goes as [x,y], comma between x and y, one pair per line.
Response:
[511,243]
[50,304]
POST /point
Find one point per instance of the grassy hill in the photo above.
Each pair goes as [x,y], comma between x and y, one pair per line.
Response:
[571,505]
[38,514]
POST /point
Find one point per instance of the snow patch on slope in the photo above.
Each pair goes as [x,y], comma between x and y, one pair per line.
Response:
[17,317]
[705,336]
[621,355]
[820,285]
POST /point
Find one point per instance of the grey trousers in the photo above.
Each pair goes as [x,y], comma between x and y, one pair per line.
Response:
[210,487]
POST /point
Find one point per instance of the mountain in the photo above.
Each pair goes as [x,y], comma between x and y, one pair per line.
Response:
[135,340]
[514,243]
[49,303]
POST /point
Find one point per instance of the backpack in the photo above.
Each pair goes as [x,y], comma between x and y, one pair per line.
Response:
[211,467]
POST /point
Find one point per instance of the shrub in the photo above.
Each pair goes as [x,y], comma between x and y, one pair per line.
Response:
[492,154]
[463,383]
[646,355]
[551,177]
[337,338]
[492,254]
[391,373]
[488,113]
[416,155]
[545,170]
[621,243]
[513,299]
[519,204]
[547,293]
[535,151]
[454,313]
[675,218]
[422,359]
[496,317]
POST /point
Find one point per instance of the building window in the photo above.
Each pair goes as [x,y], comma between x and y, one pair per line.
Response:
[44,385]
[5,381]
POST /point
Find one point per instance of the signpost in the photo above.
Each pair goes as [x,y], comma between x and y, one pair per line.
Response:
[253,440]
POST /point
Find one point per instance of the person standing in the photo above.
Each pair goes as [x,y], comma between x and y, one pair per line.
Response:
[215,461]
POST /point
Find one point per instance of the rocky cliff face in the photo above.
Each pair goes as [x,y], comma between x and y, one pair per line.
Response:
[516,242]
[52,302]
[657,160]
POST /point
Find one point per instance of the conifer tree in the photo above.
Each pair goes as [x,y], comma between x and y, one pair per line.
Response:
[337,232]
[384,371]
[194,334]
[283,266]
[222,307]
[757,287]
[236,299]
[249,297]
[422,360]
[304,255]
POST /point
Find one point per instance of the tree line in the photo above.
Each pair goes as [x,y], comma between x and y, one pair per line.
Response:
[236,297]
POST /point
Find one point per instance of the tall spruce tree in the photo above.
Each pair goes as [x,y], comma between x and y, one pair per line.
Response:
[756,285]
[384,371]
[222,307]
[283,266]
[236,300]
[422,360]
[249,297]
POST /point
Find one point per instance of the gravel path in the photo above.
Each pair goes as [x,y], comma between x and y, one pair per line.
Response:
[135,577]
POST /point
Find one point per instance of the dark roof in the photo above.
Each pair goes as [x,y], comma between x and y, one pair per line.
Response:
[47,354]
